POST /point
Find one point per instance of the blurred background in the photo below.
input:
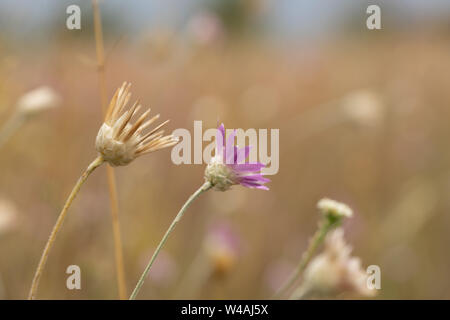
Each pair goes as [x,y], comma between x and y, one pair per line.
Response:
[364,118]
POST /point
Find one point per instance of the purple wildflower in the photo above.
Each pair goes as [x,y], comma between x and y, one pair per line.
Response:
[222,235]
[222,246]
[228,166]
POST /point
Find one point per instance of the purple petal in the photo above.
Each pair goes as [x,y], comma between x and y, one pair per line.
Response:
[229,148]
[221,129]
[241,154]
[220,140]
[248,167]
[256,186]
[257,178]
[235,152]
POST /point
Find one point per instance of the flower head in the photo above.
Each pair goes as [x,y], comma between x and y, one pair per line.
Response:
[364,107]
[227,168]
[119,141]
[335,271]
[334,208]
[38,100]
[222,246]
[8,215]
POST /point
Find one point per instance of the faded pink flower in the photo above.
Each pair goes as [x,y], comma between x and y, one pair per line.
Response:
[222,247]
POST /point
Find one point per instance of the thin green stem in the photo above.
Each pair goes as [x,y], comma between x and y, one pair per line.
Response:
[205,187]
[317,239]
[34,286]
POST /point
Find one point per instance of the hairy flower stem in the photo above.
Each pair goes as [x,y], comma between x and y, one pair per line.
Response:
[205,187]
[118,251]
[34,286]
[326,225]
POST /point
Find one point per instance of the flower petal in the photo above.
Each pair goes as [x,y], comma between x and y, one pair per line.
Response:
[241,154]
[248,167]
[255,186]
[229,148]
[220,140]
[256,178]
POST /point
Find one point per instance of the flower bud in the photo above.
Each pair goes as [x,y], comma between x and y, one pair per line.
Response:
[220,175]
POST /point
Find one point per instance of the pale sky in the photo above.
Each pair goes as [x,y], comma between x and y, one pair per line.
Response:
[285,19]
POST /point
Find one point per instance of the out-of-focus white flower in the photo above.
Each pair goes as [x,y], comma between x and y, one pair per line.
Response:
[8,215]
[335,271]
[37,101]
[364,107]
[334,208]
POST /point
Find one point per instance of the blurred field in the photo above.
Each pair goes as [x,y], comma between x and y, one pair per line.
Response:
[391,166]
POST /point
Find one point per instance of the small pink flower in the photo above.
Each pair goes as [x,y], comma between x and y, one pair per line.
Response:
[222,247]
[228,166]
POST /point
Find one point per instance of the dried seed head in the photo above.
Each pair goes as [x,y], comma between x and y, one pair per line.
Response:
[119,141]
[38,100]
[335,270]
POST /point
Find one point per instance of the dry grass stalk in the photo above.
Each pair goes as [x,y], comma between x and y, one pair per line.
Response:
[112,189]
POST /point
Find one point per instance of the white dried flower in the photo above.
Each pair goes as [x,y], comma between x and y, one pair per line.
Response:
[8,215]
[335,271]
[120,142]
[37,101]
[364,107]
[334,208]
